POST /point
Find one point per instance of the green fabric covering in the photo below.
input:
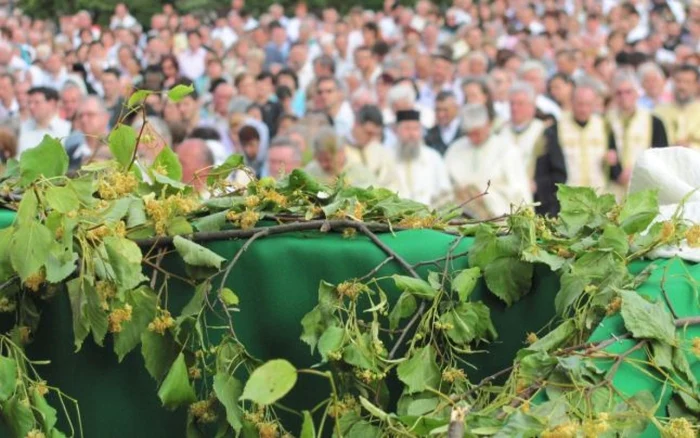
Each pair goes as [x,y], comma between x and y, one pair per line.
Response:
[6,218]
[277,281]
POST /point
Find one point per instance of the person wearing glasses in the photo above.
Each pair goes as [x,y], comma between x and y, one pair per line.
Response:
[635,129]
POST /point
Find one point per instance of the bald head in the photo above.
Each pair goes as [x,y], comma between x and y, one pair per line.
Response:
[196,159]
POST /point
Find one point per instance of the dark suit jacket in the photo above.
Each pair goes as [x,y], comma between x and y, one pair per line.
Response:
[434,139]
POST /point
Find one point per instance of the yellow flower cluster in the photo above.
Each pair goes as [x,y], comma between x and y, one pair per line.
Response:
[338,408]
[160,211]
[349,289]
[532,338]
[418,222]
[7,305]
[251,201]
[275,197]
[335,355]
[696,346]
[693,236]
[34,281]
[194,373]
[41,387]
[349,233]
[668,229]
[678,428]
[161,323]
[566,430]
[268,430]
[443,326]
[614,306]
[106,291]
[368,376]
[120,229]
[203,411]
[35,433]
[117,317]
[59,233]
[116,185]
[358,211]
[451,375]
[597,427]
[245,220]
[565,253]
[97,233]
[24,334]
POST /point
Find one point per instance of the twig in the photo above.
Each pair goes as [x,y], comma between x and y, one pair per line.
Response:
[662,285]
[313,225]
[138,139]
[441,259]
[166,273]
[159,258]
[456,427]
[8,282]
[376,269]
[621,358]
[484,382]
[473,198]
[682,322]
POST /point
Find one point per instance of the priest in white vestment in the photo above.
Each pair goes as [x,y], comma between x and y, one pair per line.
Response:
[422,175]
[480,158]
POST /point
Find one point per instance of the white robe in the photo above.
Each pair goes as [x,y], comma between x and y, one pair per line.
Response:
[498,161]
[424,178]
[380,161]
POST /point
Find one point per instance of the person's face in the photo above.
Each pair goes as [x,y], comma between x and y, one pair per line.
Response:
[626,97]
[653,84]
[110,83]
[534,78]
[91,120]
[478,136]
[363,59]
[330,162]
[255,113]
[40,108]
[221,97]
[264,89]
[214,70]
[282,160]
[70,100]
[685,86]
[561,90]
[194,41]
[279,36]
[442,70]
[6,89]
[584,103]
[21,92]
[155,101]
[445,111]
[54,63]
[474,94]
[251,149]
[247,88]
[522,109]
[286,81]
[328,93]
[409,131]
[188,108]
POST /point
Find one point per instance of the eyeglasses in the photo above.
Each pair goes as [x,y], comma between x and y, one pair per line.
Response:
[326,91]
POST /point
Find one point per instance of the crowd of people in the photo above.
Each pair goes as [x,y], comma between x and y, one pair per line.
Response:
[437,103]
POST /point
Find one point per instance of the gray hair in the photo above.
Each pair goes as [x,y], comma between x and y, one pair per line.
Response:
[478,55]
[101,106]
[70,85]
[524,88]
[623,76]
[158,125]
[589,84]
[282,141]
[649,68]
[531,65]
[362,93]
[401,92]
[326,140]
[474,116]
[239,104]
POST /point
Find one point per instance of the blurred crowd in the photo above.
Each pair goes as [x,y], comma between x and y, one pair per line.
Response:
[436,102]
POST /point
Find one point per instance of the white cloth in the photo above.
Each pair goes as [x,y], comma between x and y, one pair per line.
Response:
[127,22]
[675,173]
[226,35]
[548,106]
[448,133]
[30,135]
[424,179]
[192,63]
[344,120]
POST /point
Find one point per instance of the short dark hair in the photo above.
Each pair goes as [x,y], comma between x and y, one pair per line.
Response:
[112,71]
[193,32]
[50,94]
[444,95]
[370,114]
[215,84]
[287,72]
[247,134]
[205,133]
[372,27]
[265,75]
[687,68]
[283,92]
[326,61]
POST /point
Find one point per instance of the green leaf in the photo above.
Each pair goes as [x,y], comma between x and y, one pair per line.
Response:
[506,275]
[229,297]
[167,159]
[420,371]
[18,416]
[521,425]
[535,254]
[212,222]
[682,367]
[60,264]
[176,389]
[137,97]
[196,303]
[405,307]
[331,340]
[308,430]
[556,337]
[28,248]
[87,312]
[179,226]
[222,171]
[8,377]
[137,214]
[197,255]
[469,321]
[117,210]
[414,286]
[646,320]
[49,159]
[62,199]
[615,239]
[582,207]
[179,92]
[360,353]
[639,210]
[122,143]
[465,282]
[84,188]
[373,410]
[27,210]
[164,180]
[47,414]
[159,352]
[270,382]
[228,390]
[422,406]
[6,269]
[143,303]
[123,258]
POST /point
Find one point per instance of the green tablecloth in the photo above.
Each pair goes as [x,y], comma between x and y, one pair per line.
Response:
[277,281]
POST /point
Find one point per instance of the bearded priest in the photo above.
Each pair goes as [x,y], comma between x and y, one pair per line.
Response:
[481,157]
[421,172]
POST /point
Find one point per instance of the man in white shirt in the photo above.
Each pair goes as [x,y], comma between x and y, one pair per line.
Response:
[368,148]
[422,175]
[9,107]
[223,32]
[192,60]
[481,158]
[43,108]
[122,18]
[535,73]
[335,105]
[447,128]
